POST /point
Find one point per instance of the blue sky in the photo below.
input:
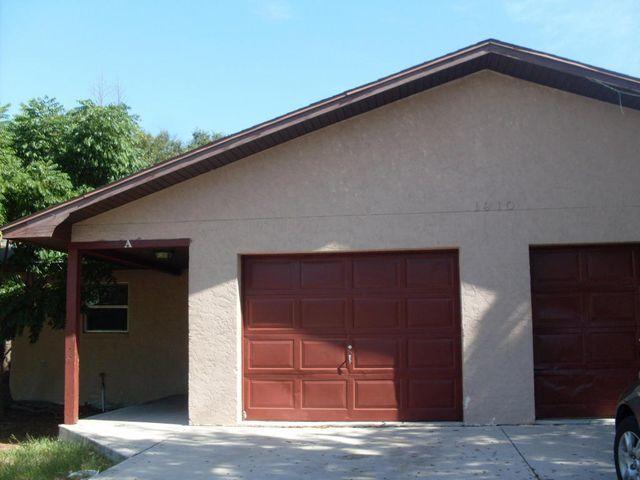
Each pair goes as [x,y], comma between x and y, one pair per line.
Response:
[225,66]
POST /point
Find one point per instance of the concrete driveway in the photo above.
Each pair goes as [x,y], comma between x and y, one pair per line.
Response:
[441,452]
[155,443]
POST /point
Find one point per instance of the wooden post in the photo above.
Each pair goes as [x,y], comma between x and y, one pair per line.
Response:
[71,354]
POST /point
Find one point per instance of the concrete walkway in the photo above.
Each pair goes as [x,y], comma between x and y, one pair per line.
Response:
[126,432]
[161,447]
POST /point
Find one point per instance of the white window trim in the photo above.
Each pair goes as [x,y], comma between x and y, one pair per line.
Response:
[106,307]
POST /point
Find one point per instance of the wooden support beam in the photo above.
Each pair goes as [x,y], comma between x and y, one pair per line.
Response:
[71,352]
[126,260]
[134,244]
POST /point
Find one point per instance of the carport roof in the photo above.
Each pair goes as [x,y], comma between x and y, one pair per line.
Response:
[52,227]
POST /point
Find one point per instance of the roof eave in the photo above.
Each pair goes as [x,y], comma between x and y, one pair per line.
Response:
[490,54]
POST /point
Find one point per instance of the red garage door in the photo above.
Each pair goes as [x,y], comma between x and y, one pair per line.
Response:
[585,326]
[352,337]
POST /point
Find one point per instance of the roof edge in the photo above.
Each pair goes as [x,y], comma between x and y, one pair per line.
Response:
[22,228]
[195,153]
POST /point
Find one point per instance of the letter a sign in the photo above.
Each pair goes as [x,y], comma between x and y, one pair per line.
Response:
[127,244]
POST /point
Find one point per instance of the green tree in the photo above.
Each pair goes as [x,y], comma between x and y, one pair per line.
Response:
[38,132]
[101,144]
[48,155]
[160,147]
[200,138]
[8,165]
[8,160]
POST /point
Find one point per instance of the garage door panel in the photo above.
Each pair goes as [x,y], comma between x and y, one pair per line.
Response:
[580,394]
[376,353]
[376,272]
[606,381]
[400,313]
[324,394]
[323,354]
[563,388]
[377,394]
[323,313]
[558,309]
[555,266]
[423,353]
[613,308]
[611,347]
[270,354]
[376,313]
[270,313]
[271,274]
[324,274]
[431,312]
[585,321]
[613,264]
[425,393]
[430,272]
[270,394]
[562,349]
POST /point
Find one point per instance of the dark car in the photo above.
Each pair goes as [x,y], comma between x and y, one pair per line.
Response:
[626,448]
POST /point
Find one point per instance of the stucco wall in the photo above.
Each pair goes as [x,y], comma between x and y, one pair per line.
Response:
[148,362]
[487,164]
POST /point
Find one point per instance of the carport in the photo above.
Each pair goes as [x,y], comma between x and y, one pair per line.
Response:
[168,256]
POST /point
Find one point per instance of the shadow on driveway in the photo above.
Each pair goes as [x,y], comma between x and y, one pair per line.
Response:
[551,452]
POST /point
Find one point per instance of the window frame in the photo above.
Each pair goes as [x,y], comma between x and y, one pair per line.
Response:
[85,328]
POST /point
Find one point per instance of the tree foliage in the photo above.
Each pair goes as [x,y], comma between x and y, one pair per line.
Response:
[8,161]
[200,138]
[101,144]
[38,131]
[160,147]
[163,146]
[48,155]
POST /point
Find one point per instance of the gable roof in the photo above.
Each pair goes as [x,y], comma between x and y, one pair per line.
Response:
[52,227]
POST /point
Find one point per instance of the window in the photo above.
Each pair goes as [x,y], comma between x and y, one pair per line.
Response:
[111,312]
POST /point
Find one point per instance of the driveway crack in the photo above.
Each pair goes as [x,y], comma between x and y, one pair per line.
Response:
[159,442]
[140,452]
[533,471]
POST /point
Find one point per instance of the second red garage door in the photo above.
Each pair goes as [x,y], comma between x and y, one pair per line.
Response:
[352,337]
[585,328]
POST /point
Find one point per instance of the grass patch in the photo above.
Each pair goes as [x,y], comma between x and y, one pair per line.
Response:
[49,459]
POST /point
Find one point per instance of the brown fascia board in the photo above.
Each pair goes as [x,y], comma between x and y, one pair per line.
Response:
[501,57]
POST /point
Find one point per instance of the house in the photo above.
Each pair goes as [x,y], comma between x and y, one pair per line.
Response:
[457,241]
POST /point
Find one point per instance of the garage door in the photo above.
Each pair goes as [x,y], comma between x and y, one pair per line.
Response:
[585,325]
[352,337]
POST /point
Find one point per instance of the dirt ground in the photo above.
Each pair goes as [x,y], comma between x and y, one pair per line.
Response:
[31,419]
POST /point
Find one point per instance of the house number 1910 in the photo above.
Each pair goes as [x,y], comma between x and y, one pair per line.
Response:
[495,206]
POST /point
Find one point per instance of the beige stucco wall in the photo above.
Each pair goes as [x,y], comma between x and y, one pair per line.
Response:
[416,174]
[148,362]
